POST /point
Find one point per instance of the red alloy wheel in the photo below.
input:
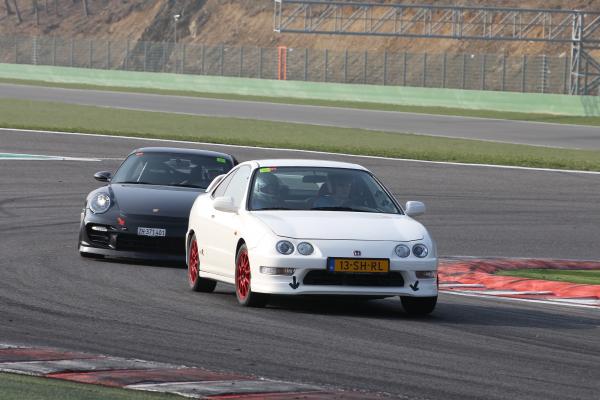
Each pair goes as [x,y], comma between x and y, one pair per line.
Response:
[242,281]
[193,263]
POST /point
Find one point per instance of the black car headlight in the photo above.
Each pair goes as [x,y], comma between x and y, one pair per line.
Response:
[100,203]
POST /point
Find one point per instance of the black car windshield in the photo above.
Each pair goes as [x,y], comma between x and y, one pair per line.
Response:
[171,169]
[317,188]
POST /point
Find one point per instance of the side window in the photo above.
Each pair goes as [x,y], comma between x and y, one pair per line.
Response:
[238,185]
[219,192]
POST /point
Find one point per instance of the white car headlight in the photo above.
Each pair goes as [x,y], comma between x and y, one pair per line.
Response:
[420,250]
[402,251]
[305,248]
[100,203]
[285,247]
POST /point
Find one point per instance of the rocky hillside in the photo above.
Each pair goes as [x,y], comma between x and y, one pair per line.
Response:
[232,22]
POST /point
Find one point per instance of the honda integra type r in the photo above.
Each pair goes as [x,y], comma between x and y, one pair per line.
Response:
[304,227]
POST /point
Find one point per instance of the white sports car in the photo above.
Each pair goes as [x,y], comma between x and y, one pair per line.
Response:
[306,227]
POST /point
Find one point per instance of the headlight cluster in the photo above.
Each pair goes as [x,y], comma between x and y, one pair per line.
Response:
[286,247]
[100,203]
[419,250]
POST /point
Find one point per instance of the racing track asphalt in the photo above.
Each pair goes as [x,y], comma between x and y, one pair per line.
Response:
[468,349]
[539,134]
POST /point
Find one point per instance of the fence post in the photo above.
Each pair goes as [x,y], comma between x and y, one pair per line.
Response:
[346,66]
[145,56]
[108,54]
[202,65]
[222,62]
[16,50]
[241,61]
[544,73]
[365,66]
[306,64]
[566,76]
[503,72]
[164,57]
[405,63]
[444,66]
[483,63]
[127,56]
[72,51]
[424,69]
[54,50]
[326,63]
[385,61]
[34,50]
[91,52]
[464,72]
[260,62]
[524,70]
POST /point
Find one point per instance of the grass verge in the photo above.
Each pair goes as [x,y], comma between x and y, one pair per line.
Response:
[549,118]
[75,118]
[18,387]
[586,277]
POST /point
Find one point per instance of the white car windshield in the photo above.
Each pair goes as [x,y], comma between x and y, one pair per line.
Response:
[322,189]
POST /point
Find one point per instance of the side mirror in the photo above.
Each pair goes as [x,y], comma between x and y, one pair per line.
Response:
[414,208]
[103,176]
[224,204]
[215,182]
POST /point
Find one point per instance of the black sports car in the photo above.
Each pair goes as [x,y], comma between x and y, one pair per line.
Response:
[143,212]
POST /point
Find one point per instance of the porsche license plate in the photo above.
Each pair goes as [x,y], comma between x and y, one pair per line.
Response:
[358,265]
[153,232]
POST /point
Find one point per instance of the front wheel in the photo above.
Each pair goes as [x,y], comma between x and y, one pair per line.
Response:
[197,284]
[245,296]
[418,306]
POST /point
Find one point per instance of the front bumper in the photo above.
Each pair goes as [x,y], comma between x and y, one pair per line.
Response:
[312,278]
[123,242]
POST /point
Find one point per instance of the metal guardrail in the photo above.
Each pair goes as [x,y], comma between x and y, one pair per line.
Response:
[533,74]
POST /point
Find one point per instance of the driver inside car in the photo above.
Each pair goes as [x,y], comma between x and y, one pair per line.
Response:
[335,192]
[267,192]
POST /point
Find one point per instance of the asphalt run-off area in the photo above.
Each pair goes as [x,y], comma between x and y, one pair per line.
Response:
[471,347]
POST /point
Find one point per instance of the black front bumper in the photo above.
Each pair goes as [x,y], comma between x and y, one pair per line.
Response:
[124,242]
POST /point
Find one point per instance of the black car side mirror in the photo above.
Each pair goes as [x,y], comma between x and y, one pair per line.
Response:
[103,176]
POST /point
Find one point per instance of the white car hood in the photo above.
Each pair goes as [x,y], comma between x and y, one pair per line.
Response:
[340,225]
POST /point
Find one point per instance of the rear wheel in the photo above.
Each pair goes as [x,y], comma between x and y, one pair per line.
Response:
[245,296]
[418,306]
[197,284]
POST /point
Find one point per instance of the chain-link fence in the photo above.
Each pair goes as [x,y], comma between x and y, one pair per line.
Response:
[539,74]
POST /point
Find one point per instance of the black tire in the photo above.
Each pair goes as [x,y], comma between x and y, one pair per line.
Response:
[245,296]
[418,306]
[197,284]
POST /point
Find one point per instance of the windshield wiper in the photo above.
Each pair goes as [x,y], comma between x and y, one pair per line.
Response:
[136,183]
[190,186]
[271,208]
[339,208]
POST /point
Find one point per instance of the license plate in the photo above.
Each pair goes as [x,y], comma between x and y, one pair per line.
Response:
[358,265]
[154,232]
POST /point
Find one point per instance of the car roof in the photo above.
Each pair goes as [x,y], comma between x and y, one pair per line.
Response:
[290,162]
[200,152]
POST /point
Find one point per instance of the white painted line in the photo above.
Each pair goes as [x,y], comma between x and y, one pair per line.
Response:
[212,388]
[40,157]
[512,292]
[78,365]
[590,302]
[314,152]
[461,285]
[508,299]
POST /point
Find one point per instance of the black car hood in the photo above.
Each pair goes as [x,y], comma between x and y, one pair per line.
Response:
[164,201]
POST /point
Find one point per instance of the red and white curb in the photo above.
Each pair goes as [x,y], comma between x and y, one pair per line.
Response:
[475,277]
[151,376]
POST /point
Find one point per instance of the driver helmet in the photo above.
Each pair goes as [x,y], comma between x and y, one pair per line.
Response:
[267,186]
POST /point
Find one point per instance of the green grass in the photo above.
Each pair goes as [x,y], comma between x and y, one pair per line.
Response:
[19,387]
[557,119]
[574,276]
[75,118]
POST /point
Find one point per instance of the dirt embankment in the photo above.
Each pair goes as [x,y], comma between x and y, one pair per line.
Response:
[237,23]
